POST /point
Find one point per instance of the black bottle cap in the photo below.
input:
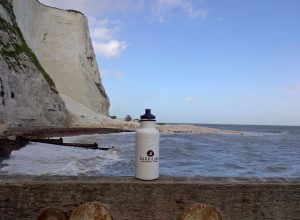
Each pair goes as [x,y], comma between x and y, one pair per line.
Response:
[148,116]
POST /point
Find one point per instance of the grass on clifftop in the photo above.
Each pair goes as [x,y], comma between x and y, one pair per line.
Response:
[74,11]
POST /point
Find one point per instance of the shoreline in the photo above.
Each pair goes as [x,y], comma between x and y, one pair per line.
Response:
[12,139]
[55,132]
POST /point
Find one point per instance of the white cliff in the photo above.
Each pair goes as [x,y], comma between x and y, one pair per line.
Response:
[28,96]
[46,60]
[60,39]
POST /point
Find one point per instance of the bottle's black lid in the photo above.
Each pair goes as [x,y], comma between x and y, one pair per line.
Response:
[148,116]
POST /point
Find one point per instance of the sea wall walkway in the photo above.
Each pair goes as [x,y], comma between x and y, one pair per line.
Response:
[23,197]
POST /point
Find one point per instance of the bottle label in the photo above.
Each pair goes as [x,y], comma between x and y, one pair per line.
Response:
[149,157]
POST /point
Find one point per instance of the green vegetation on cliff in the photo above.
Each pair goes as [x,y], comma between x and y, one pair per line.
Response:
[102,90]
[13,49]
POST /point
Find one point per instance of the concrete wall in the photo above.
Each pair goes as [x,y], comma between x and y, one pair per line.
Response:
[60,39]
[128,198]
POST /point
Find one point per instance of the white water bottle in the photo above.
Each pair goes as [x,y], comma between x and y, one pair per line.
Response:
[147,148]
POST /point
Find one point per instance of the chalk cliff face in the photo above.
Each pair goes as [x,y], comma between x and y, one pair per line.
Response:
[61,41]
[28,95]
[45,54]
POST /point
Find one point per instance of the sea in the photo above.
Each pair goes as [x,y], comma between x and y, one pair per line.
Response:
[254,151]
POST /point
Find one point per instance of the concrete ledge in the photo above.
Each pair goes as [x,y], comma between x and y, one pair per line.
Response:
[127,198]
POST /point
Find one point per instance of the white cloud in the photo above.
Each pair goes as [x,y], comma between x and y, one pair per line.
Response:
[113,73]
[162,9]
[98,7]
[110,49]
[103,29]
[189,99]
[103,34]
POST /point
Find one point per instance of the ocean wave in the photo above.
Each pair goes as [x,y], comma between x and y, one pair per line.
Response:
[261,134]
[45,159]
[255,153]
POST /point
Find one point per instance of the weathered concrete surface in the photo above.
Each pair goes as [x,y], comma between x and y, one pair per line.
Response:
[61,41]
[128,198]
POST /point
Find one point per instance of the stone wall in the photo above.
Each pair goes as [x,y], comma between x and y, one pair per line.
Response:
[128,198]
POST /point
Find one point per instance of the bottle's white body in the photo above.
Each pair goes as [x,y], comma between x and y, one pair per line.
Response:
[147,151]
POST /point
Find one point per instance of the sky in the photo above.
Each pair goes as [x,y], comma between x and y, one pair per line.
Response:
[198,61]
